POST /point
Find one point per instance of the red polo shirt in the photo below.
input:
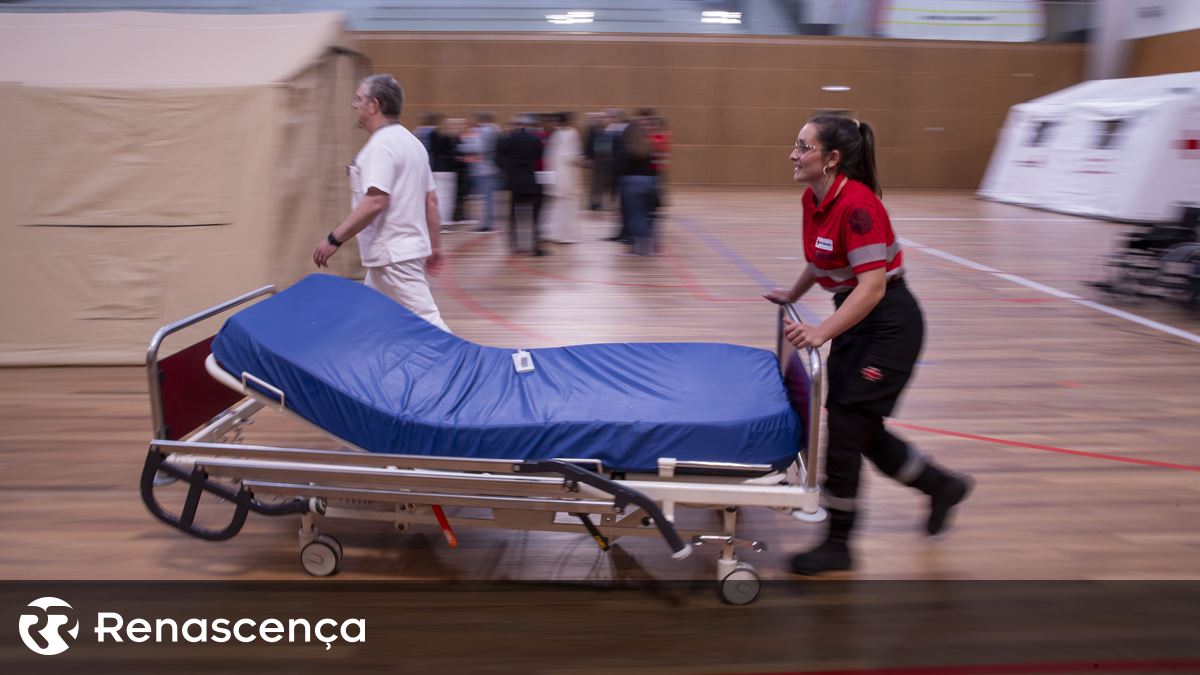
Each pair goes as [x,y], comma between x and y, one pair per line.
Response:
[847,234]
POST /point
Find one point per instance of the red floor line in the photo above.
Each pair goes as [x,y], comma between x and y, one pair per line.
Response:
[450,284]
[686,278]
[1015,668]
[1049,448]
[696,288]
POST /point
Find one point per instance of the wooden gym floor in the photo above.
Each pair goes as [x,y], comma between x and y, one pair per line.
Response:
[1079,424]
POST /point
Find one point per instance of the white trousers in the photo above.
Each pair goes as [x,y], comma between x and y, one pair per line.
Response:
[562,220]
[405,283]
[446,185]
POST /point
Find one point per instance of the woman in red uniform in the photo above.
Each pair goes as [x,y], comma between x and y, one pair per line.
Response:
[876,328]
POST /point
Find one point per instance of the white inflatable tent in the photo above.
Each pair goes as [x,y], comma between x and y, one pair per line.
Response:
[154,164]
[1124,149]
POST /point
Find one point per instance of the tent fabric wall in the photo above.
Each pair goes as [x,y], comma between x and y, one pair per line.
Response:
[204,159]
[317,139]
[1114,149]
[157,147]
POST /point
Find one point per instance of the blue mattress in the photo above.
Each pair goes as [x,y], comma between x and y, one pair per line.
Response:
[367,370]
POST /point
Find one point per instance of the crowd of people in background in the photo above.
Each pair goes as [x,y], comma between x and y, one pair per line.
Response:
[406,186]
[550,172]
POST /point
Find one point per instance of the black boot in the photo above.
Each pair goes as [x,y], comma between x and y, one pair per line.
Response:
[831,555]
[945,490]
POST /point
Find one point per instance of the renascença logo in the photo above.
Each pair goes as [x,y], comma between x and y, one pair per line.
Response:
[43,632]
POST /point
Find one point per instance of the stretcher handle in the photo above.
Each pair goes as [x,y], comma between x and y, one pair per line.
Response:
[622,496]
[199,483]
[816,374]
[265,388]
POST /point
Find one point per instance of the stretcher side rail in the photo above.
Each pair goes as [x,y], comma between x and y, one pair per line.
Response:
[326,494]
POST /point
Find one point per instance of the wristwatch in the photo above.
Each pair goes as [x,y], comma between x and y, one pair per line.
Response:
[333,240]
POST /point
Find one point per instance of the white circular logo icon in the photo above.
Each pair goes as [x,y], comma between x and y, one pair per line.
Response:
[43,631]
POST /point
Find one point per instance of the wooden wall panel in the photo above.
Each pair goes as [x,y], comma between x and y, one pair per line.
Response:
[735,106]
[1170,53]
[692,165]
[760,127]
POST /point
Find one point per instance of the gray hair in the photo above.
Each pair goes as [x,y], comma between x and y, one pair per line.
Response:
[385,89]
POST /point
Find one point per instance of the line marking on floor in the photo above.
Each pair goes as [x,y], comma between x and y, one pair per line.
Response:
[1049,290]
[993,220]
[747,267]
[1046,448]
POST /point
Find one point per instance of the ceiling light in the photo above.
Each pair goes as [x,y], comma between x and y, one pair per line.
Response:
[835,87]
[720,16]
[571,17]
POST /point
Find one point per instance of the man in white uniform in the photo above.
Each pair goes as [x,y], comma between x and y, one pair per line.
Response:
[394,208]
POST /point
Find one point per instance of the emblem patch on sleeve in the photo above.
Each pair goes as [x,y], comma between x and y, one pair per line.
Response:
[860,221]
[872,374]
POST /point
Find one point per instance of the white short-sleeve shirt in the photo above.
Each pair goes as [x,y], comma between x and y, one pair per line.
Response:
[395,162]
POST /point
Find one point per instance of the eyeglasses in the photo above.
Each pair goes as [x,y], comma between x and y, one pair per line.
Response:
[360,100]
[805,148]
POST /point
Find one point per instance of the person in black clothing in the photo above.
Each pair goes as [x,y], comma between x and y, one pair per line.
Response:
[601,172]
[633,163]
[462,176]
[518,154]
[443,159]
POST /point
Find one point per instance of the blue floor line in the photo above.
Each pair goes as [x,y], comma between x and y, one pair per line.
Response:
[747,268]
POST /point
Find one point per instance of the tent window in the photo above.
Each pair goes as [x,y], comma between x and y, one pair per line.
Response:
[1110,131]
[1041,133]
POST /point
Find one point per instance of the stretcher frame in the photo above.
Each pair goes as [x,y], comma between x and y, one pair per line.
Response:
[560,495]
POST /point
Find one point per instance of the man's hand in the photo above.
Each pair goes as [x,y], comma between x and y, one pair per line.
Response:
[433,264]
[803,335]
[323,252]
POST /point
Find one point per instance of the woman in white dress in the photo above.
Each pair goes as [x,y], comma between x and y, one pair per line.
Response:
[562,160]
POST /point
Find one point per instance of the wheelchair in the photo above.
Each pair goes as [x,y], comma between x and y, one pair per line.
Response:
[1161,260]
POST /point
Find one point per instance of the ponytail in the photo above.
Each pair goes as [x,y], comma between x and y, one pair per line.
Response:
[869,174]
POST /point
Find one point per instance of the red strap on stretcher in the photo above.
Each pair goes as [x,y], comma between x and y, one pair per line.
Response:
[445,525]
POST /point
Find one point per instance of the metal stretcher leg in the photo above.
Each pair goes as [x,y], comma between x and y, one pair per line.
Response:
[737,582]
[622,496]
[601,540]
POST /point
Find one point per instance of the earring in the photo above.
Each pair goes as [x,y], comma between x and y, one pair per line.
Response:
[825,170]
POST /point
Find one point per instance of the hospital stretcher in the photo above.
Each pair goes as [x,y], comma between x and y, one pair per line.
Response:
[607,440]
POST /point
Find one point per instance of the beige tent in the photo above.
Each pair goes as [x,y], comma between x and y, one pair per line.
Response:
[152,165]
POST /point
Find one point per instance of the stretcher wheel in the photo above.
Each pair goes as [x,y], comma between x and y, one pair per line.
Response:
[741,586]
[320,558]
[337,545]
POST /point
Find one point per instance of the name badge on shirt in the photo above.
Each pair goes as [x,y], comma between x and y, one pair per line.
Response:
[824,244]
